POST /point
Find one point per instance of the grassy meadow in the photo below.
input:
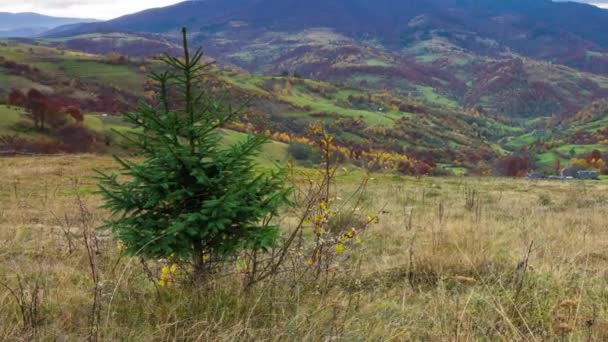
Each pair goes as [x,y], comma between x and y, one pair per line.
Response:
[58,63]
[450,259]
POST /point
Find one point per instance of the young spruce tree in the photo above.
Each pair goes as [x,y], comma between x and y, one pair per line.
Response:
[192,198]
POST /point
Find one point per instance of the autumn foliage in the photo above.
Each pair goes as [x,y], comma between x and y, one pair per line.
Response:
[513,166]
[17,98]
[38,106]
[45,111]
[59,118]
[75,113]
[593,160]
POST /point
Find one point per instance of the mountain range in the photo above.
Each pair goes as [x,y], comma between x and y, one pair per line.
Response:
[486,53]
[32,24]
[530,27]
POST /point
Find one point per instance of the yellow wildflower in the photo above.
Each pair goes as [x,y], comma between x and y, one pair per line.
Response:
[372,219]
[323,205]
[340,248]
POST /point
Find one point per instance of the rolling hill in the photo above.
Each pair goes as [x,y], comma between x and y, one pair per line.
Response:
[364,122]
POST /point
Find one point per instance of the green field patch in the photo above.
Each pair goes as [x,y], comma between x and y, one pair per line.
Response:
[431,96]
[343,94]
[272,152]
[9,116]
[503,129]
[245,81]
[517,142]
[376,62]
[548,159]
[325,106]
[111,120]
[122,76]
[592,126]
[428,58]
[8,82]
[581,149]
[72,64]
[94,123]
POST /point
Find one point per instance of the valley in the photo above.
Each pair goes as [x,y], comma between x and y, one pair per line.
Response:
[376,109]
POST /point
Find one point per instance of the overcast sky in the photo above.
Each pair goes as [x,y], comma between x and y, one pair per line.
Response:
[107,9]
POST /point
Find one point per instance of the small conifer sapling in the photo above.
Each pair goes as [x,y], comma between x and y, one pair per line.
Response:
[192,198]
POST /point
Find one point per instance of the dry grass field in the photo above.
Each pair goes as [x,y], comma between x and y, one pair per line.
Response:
[450,259]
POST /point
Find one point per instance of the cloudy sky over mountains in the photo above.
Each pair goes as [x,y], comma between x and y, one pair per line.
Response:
[599,3]
[107,9]
[98,9]
[603,4]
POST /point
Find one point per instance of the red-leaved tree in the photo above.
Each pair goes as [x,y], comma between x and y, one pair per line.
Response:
[75,113]
[37,104]
[17,98]
[513,166]
[594,156]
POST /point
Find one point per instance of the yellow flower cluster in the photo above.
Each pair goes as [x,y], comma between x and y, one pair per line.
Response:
[342,240]
[168,275]
[322,218]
